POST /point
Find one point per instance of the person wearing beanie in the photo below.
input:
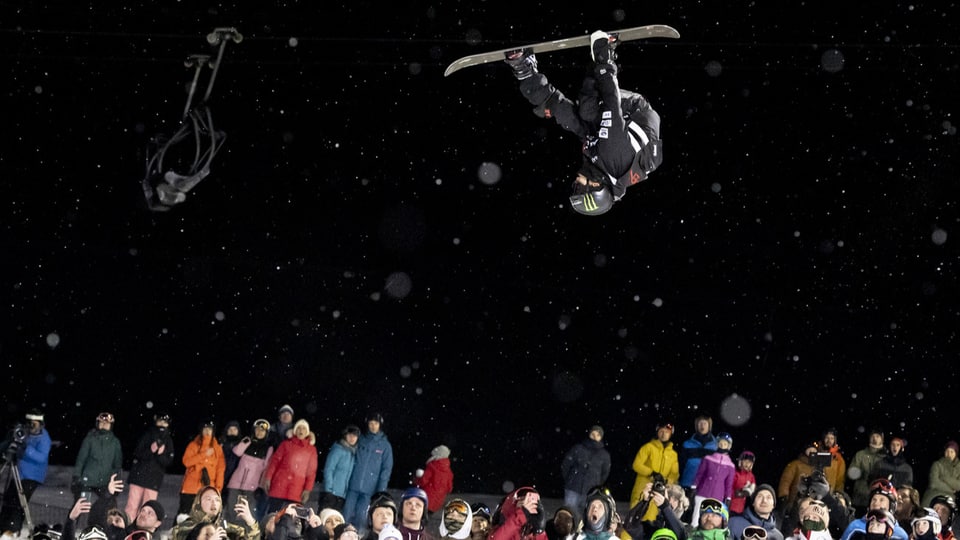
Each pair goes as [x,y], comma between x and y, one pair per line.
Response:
[814,522]
[33,458]
[714,478]
[894,465]
[292,470]
[338,467]
[585,466]
[656,456]
[152,456]
[944,476]
[860,468]
[759,512]
[345,531]
[330,518]
[254,453]
[372,470]
[436,478]
[282,429]
[389,532]
[149,518]
[744,483]
[457,520]
[712,524]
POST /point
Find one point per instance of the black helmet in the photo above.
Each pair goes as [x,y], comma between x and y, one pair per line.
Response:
[602,494]
[591,200]
[382,499]
[592,203]
[947,501]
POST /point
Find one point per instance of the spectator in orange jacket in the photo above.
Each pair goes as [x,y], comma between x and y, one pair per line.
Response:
[205,466]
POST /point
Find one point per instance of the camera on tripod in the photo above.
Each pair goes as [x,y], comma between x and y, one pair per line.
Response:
[15,442]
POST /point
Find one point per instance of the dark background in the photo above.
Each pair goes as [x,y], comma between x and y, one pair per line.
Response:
[352,249]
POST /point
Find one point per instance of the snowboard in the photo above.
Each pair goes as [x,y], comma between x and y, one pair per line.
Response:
[626,34]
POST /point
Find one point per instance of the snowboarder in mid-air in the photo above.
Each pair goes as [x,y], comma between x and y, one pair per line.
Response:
[619,129]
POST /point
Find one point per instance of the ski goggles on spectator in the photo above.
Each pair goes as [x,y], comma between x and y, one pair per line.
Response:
[481,510]
[882,483]
[93,533]
[754,533]
[139,535]
[262,424]
[457,506]
[599,490]
[105,417]
[665,426]
[162,418]
[711,506]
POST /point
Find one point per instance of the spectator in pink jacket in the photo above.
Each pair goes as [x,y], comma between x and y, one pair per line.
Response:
[714,479]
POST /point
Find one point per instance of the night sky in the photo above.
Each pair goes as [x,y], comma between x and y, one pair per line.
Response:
[377,236]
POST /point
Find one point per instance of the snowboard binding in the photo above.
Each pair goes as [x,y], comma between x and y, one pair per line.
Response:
[164,188]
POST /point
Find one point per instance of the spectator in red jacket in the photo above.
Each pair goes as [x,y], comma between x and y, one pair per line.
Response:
[292,471]
[436,478]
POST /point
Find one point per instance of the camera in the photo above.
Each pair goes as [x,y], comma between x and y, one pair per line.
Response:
[302,512]
[659,483]
[821,460]
[15,442]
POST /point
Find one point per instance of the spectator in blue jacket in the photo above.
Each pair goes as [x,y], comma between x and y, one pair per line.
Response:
[32,457]
[337,468]
[371,472]
[701,444]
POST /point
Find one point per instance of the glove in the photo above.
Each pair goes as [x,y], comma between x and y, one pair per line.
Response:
[538,521]
[749,488]
[154,447]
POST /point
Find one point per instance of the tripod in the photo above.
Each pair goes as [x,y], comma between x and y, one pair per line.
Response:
[14,474]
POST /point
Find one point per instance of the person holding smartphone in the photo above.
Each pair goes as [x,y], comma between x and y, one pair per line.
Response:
[521,516]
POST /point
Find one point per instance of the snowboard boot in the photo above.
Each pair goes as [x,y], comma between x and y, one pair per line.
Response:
[601,48]
[523,63]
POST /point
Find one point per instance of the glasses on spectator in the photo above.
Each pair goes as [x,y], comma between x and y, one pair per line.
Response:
[105,417]
[754,533]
